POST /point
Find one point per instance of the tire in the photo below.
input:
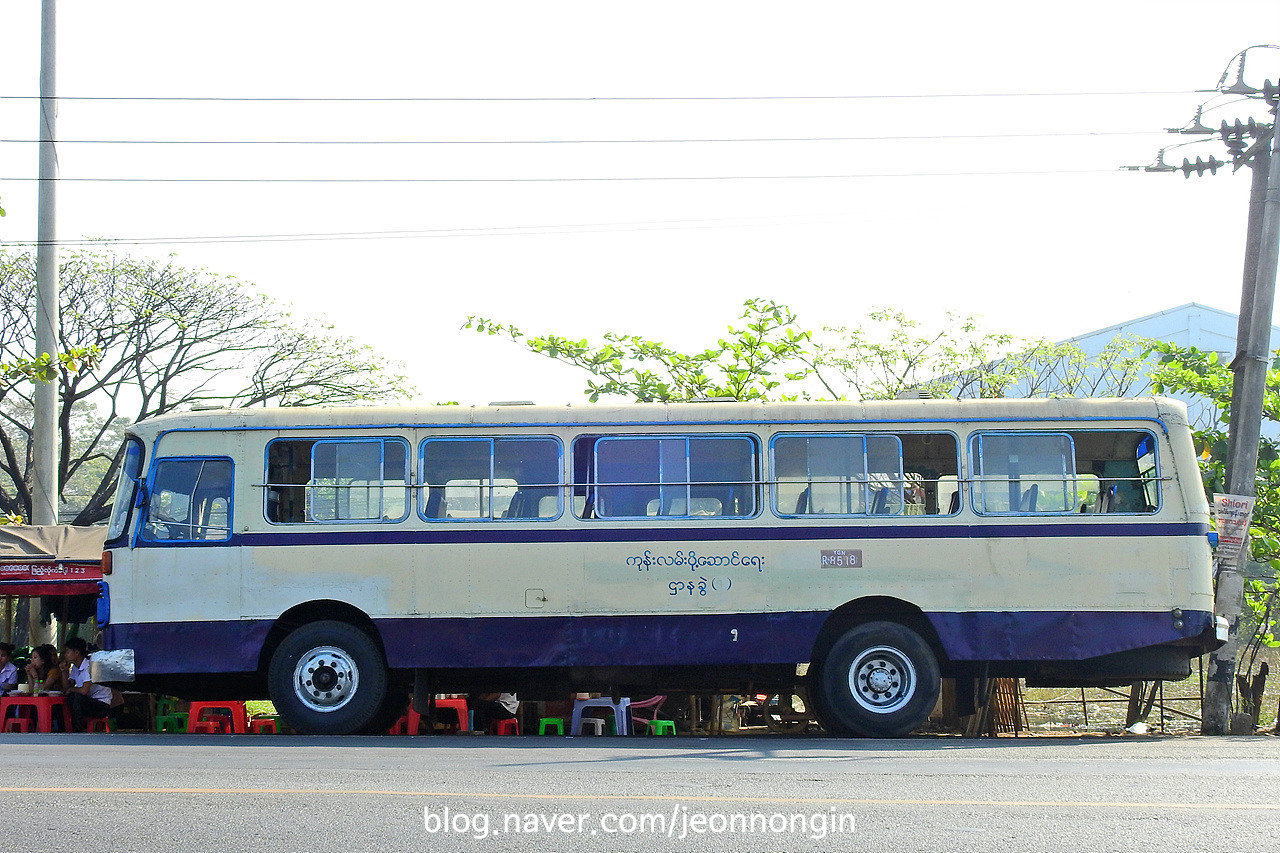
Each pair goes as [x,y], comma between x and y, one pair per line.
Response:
[329,678]
[880,679]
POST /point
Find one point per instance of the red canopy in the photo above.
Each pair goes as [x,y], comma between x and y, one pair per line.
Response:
[50,560]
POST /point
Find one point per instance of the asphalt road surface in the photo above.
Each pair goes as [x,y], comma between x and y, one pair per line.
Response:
[194,793]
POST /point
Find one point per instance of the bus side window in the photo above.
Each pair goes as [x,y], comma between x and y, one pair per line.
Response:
[1123,478]
[335,480]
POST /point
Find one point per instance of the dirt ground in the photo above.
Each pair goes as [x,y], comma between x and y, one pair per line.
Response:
[1177,707]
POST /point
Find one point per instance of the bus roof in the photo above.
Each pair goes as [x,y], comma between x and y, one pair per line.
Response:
[608,414]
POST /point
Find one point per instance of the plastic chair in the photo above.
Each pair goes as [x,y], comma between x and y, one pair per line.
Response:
[662,727]
[233,712]
[621,713]
[547,723]
[505,727]
[594,723]
[459,707]
[171,723]
[651,705]
[98,724]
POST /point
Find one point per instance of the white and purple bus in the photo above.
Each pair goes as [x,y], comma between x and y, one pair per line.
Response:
[337,558]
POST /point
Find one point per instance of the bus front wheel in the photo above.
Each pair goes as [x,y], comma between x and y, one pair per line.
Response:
[328,677]
[880,679]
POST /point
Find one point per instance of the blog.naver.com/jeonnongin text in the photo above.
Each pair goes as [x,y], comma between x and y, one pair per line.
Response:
[677,823]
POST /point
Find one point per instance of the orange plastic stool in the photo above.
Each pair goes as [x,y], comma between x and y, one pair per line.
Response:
[98,724]
[505,727]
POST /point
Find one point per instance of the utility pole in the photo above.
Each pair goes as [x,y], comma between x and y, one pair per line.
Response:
[1250,364]
[44,433]
[1253,349]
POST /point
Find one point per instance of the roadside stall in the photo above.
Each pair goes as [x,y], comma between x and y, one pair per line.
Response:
[57,566]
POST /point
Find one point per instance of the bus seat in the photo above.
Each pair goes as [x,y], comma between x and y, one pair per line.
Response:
[802,503]
[880,503]
[1029,498]
[954,506]
[435,507]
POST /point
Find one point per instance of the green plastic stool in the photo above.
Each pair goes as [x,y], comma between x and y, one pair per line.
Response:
[547,723]
[662,727]
[171,723]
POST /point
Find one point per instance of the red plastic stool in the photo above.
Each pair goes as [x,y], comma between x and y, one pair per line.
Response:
[459,707]
[263,725]
[205,727]
[400,727]
[233,712]
[98,724]
[505,727]
[17,724]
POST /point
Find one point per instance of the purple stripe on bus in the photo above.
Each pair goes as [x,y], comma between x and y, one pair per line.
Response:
[1059,635]
[666,640]
[459,533]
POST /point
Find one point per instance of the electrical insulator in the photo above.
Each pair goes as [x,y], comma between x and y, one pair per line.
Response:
[1200,165]
[1271,93]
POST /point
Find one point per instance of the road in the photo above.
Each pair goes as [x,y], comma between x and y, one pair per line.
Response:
[536,795]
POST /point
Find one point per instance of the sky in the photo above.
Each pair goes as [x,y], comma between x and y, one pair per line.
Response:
[584,167]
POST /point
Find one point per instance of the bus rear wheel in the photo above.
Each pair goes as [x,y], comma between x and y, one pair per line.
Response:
[328,677]
[880,679]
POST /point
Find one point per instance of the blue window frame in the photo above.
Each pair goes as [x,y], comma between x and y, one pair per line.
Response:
[189,500]
[126,489]
[516,478]
[675,476]
[1023,473]
[337,480]
[840,474]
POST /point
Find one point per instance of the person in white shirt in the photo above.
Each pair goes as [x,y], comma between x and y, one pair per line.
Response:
[8,672]
[85,700]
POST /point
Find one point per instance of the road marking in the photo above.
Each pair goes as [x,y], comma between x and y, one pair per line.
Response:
[817,801]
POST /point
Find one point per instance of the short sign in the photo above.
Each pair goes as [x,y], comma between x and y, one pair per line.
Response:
[841,559]
[1232,514]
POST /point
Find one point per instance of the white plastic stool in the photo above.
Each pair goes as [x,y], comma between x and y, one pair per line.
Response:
[594,723]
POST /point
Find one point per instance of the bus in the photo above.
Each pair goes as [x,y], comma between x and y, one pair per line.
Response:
[338,559]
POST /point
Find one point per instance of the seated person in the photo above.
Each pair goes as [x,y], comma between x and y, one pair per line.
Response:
[490,708]
[85,700]
[8,672]
[43,673]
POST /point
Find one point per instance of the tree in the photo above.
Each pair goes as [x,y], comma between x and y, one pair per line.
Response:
[773,357]
[750,364]
[167,338]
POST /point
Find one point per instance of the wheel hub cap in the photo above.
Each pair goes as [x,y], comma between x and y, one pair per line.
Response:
[882,679]
[326,678]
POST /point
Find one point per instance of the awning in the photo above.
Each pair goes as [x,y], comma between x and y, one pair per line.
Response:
[50,560]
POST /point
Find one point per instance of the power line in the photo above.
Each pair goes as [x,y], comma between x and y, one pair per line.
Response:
[589,99]
[1104,133]
[583,179]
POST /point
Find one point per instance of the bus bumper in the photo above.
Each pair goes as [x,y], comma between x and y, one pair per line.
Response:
[108,666]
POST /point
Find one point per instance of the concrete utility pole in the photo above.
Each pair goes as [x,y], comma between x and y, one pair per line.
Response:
[44,433]
[1249,389]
